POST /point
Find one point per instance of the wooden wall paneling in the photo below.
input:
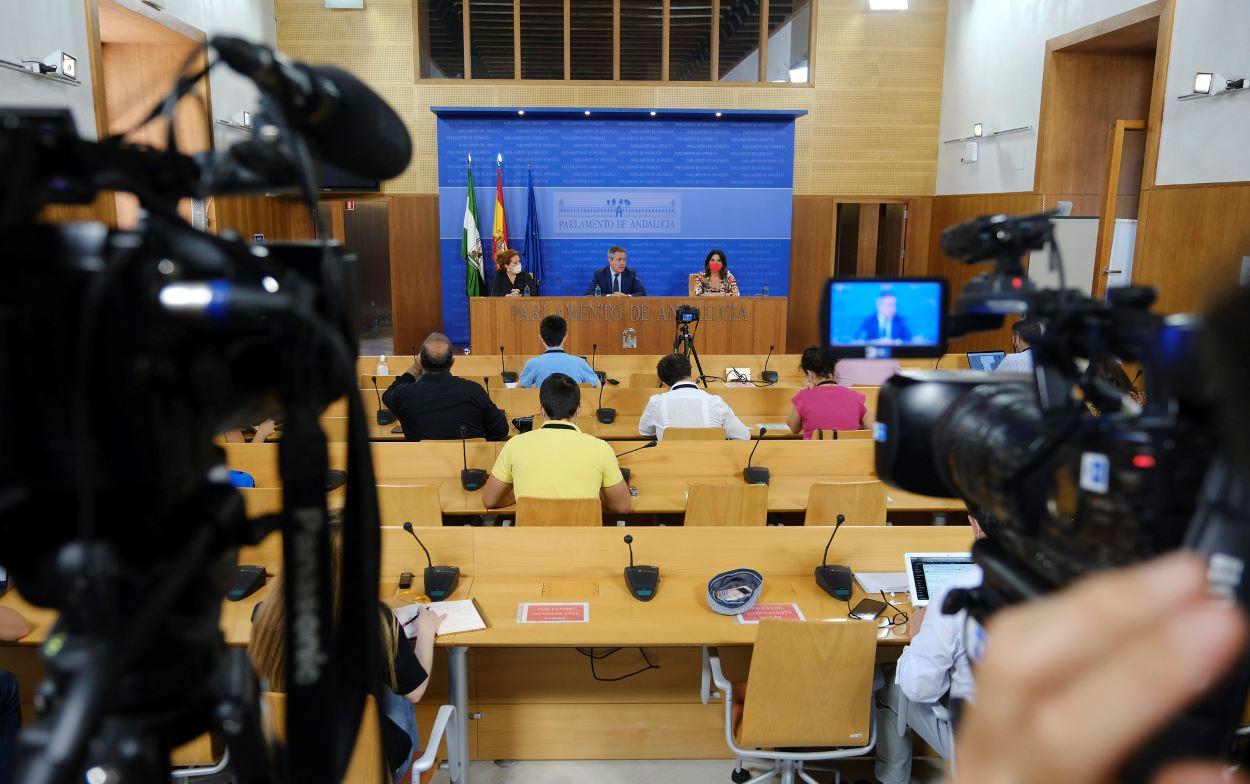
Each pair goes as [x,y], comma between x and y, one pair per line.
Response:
[95,60]
[812,233]
[951,210]
[1158,93]
[866,250]
[416,271]
[1190,242]
[916,238]
[279,218]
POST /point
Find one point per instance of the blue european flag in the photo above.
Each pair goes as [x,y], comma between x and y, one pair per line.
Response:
[533,242]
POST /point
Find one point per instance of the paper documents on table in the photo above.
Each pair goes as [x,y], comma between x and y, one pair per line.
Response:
[781,426]
[458,616]
[875,582]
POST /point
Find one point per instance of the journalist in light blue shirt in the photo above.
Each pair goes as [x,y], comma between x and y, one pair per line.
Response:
[553,330]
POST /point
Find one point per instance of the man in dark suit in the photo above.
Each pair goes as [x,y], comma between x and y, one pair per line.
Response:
[615,280]
[885,326]
[431,403]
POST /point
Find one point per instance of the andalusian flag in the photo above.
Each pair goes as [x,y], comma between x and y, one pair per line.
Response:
[471,244]
[500,231]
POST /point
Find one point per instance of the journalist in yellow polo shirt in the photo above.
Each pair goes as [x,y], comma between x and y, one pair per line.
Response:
[557,460]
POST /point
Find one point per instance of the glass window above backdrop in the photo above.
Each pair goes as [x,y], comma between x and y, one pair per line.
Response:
[677,41]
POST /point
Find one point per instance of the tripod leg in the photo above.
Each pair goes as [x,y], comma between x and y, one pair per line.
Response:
[699,365]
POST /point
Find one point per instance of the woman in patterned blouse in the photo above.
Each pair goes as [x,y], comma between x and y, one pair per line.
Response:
[716,280]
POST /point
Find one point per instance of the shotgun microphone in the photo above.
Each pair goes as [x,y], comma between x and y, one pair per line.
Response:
[625,471]
[602,374]
[641,581]
[440,581]
[384,417]
[759,474]
[605,415]
[769,376]
[470,478]
[834,580]
[509,377]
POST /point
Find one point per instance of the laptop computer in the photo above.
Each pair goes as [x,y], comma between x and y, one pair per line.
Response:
[927,572]
[986,361]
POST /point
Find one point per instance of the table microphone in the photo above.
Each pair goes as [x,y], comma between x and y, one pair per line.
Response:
[440,581]
[602,374]
[834,580]
[757,475]
[605,415]
[384,417]
[509,377]
[769,376]
[640,580]
[470,478]
[625,471]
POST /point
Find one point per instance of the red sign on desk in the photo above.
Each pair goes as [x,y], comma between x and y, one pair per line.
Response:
[783,612]
[553,612]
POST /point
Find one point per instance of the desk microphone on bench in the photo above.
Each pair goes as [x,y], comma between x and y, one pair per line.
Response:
[602,374]
[605,415]
[834,580]
[384,417]
[440,581]
[642,581]
[769,376]
[757,475]
[625,471]
[470,478]
[509,377]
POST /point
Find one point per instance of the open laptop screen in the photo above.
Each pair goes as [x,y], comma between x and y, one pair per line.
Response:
[987,361]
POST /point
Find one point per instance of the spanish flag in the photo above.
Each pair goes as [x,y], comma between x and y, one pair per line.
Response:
[500,232]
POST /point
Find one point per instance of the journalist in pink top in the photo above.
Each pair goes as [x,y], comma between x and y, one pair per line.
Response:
[822,404]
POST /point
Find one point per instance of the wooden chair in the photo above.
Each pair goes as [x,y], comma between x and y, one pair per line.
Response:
[694,276]
[416,504]
[810,685]
[559,512]
[953,362]
[862,503]
[366,762]
[727,505]
[694,434]
[841,435]
[259,501]
[644,381]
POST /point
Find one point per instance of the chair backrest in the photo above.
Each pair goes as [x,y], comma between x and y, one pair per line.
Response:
[417,504]
[259,501]
[863,503]
[694,434]
[367,762]
[953,362]
[690,284]
[727,505]
[841,435]
[644,381]
[559,511]
[810,684]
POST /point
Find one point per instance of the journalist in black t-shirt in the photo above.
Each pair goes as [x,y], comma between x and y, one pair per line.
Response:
[431,403]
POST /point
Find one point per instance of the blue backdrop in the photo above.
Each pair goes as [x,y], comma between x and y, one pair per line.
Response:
[667,188]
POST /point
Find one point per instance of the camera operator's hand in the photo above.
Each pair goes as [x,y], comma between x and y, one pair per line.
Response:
[1074,683]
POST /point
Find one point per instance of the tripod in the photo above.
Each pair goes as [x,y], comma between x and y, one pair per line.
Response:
[684,344]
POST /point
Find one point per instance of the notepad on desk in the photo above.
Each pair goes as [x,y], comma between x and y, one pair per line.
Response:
[876,582]
[458,616]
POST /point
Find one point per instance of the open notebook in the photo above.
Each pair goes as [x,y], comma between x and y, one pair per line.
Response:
[459,616]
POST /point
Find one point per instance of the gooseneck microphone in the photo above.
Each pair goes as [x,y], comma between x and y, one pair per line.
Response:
[758,475]
[384,417]
[470,478]
[834,580]
[769,376]
[440,581]
[625,471]
[605,415]
[508,376]
[642,581]
[348,124]
[602,374]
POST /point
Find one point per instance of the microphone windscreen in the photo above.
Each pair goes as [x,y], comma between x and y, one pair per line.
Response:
[363,135]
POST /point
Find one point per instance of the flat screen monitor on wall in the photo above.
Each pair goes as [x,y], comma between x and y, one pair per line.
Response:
[332,178]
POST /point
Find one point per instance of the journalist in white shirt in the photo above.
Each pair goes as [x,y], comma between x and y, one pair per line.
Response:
[932,673]
[1024,333]
[685,405]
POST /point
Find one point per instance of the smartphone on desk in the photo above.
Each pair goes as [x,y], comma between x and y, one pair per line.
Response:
[867,609]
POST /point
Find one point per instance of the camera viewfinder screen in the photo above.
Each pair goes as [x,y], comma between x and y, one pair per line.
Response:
[885,316]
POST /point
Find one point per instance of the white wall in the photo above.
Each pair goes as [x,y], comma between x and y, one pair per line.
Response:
[1206,140]
[30,30]
[995,53]
[250,19]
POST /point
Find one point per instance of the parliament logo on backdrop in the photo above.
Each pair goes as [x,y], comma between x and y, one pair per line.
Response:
[609,214]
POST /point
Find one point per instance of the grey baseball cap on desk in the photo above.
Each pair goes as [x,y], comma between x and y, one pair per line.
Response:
[735,591]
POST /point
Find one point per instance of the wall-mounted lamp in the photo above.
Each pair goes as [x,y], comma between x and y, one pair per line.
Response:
[1202,83]
[978,130]
[64,62]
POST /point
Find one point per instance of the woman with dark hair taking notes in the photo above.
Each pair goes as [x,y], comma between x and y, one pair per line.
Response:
[509,280]
[716,280]
[822,404]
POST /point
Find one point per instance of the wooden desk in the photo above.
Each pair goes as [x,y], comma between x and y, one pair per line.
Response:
[748,324]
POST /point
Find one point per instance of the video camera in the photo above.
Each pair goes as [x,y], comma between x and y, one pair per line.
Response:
[1070,474]
[115,504]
